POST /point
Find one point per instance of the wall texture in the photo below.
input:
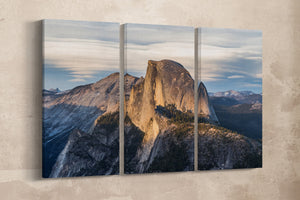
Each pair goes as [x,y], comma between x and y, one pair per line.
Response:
[20,102]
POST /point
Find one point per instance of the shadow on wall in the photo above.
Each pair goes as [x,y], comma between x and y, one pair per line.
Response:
[34,79]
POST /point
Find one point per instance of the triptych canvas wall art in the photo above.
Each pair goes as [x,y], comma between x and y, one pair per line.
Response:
[139,98]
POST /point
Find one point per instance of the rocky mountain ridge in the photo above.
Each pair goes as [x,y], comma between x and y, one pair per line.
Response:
[82,130]
[94,153]
[75,109]
[166,84]
[220,148]
[78,109]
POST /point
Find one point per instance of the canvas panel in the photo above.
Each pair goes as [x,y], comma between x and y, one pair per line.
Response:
[159,98]
[230,99]
[80,98]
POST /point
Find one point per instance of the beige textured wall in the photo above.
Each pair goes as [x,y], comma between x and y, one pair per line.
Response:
[20,100]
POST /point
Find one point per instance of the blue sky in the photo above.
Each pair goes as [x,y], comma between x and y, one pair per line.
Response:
[157,42]
[231,59]
[79,52]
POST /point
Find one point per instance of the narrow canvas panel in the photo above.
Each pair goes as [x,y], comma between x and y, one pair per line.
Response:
[230,99]
[159,98]
[80,98]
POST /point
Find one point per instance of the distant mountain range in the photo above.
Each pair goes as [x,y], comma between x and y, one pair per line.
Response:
[51,91]
[231,93]
[239,96]
[240,111]
[81,126]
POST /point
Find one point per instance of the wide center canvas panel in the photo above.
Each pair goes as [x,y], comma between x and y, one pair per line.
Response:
[230,99]
[159,98]
[80,98]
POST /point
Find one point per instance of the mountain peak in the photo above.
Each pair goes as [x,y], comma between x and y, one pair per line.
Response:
[202,87]
[166,82]
[54,90]
[129,75]
[205,109]
[114,76]
[165,62]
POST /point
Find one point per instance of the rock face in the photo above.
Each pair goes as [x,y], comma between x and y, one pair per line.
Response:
[159,128]
[79,112]
[81,127]
[75,109]
[220,148]
[81,106]
[103,95]
[166,83]
[205,108]
[91,154]
[171,150]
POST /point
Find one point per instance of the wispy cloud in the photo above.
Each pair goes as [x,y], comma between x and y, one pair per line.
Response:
[252,85]
[235,76]
[155,42]
[77,80]
[83,49]
[259,75]
[82,57]
[231,38]
[145,34]
[138,55]
[86,30]
[81,76]
[232,58]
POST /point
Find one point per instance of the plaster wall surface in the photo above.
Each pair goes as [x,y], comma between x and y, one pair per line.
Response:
[21,85]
